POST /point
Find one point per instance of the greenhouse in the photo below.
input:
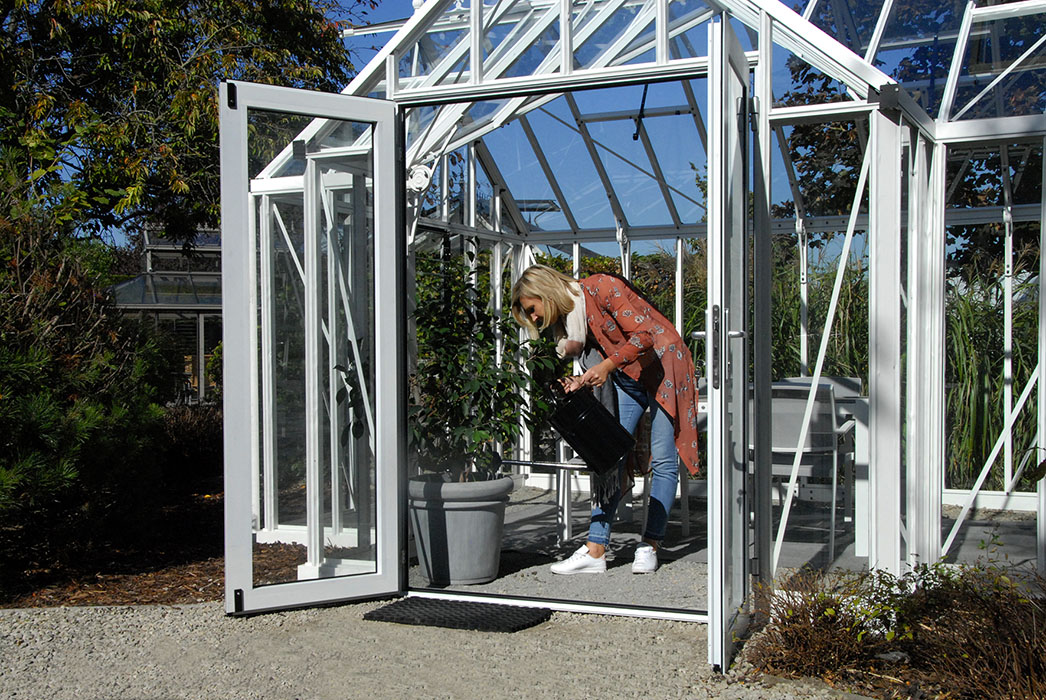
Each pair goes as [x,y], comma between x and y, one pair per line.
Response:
[837,203]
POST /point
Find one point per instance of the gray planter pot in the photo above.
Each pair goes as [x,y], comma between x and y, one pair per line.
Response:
[458,527]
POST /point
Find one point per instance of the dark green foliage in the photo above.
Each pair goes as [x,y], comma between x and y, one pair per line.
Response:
[462,401]
[974,370]
[190,449]
[77,389]
[109,108]
[971,631]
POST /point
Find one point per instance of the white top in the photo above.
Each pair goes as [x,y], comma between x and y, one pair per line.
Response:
[573,327]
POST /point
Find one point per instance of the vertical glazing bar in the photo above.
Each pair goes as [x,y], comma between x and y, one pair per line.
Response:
[925,349]
[884,356]
[1007,333]
[253,361]
[476,42]
[804,297]
[313,395]
[444,188]
[566,36]
[391,75]
[762,274]
[661,33]
[1040,520]
[334,330]
[358,263]
[270,505]
[201,368]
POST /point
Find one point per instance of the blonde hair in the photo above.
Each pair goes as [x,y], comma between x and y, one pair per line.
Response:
[552,287]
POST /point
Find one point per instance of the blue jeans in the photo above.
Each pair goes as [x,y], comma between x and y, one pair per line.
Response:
[632,401]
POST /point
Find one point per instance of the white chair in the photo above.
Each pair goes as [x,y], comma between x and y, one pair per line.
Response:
[828,444]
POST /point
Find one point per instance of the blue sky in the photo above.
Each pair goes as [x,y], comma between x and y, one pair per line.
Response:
[386,11]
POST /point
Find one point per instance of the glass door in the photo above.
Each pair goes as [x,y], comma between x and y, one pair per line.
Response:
[727,346]
[311,272]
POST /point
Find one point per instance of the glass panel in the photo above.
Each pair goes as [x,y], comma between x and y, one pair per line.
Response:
[532,56]
[288,352]
[441,55]
[677,146]
[605,36]
[653,273]
[347,246]
[524,177]
[270,132]
[917,47]
[640,49]
[996,47]
[600,256]
[572,165]
[514,30]
[630,173]
[341,500]
[850,22]
[796,82]
[688,28]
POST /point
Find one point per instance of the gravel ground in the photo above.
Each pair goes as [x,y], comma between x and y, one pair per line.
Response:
[196,651]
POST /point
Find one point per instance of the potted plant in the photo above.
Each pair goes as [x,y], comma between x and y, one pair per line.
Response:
[463,404]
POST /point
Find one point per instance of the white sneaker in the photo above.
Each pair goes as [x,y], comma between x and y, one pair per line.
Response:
[580,562]
[645,561]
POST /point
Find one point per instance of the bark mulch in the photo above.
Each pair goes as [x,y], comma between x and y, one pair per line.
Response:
[184,565]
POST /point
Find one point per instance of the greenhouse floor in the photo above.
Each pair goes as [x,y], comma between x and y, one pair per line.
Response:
[530,546]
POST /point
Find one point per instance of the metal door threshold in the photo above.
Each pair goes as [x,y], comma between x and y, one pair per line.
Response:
[562,605]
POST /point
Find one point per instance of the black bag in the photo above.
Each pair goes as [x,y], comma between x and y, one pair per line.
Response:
[595,434]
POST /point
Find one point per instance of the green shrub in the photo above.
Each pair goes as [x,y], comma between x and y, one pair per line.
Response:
[77,413]
[191,449]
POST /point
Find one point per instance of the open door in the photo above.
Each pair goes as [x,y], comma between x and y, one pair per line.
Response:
[727,346]
[312,266]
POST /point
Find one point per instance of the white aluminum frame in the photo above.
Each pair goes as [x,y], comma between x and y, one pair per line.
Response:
[240,310]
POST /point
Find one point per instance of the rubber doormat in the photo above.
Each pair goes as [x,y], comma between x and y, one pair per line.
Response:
[459,614]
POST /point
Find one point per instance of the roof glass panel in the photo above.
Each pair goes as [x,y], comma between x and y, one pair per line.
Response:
[604,35]
[681,157]
[507,27]
[919,22]
[630,173]
[572,166]
[640,49]
[1004,69]
[539,47]
[441,55]
[850,22]
[687,28]
[524,178]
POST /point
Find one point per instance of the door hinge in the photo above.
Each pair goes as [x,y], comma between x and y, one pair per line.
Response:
[237,600]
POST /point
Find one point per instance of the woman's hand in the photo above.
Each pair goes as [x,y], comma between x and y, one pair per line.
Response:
[597,376]
[570,384]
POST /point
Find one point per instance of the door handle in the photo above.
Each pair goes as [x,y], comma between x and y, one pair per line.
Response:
[716,335]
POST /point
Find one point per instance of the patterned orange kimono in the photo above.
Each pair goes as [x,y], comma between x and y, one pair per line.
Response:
[646,347]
